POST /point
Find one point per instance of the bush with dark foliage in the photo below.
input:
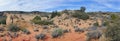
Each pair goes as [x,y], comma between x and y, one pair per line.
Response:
[93,35]
[66,30]
[13,28]
[54,14]
[3,20]
[37,20]
[26,31]
[44,22]
[40,36]
[112,32]
[79,15]
[79,29]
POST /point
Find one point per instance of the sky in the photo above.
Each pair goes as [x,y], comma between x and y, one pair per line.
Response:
[52,5]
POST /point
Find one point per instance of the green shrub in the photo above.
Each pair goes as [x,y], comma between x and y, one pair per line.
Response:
[40,36]
[66,11]
[44,22]
[54,14]
[26,31]
[82,9]
[13,28]
[114,16]
[83,16]
[96,24]
[37,20]
[57,32]
[105,23]
[3,20]
[112,32]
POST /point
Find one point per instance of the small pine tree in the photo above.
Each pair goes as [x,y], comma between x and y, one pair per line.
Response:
[54,14]
[82,9]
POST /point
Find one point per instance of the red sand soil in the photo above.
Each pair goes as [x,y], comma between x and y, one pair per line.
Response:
[67,37]
[71,36]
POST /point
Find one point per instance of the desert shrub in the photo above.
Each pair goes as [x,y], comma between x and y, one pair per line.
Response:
[37,20]
[92,28]
[13,28]
[44,22]
[22,18]
[66,30]
[112,32]
[57,32]
[3,20]
[114,16]
[79,29]
[82,9]
[40,36]
[105,23]
[26,31]
[45,27]
[54,14]
[91,13]
[15,35]
[65,11]
[83,16]
[75,26]
[36,29]
[96,24]
[93,35]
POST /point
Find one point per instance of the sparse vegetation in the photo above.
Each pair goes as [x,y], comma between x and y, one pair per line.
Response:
[57,32]
[54,14]
[96,24]
[3,20]
[45,27]
[79,29]
[92,28]
[93,35]
[113,29]
[105,23]
[37,20]
[13,28]
[82,9]
[44,22]
[114,16]
[81,16]
[58,25]
[40,36]
[26,31]
[36,29]
[66,30]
